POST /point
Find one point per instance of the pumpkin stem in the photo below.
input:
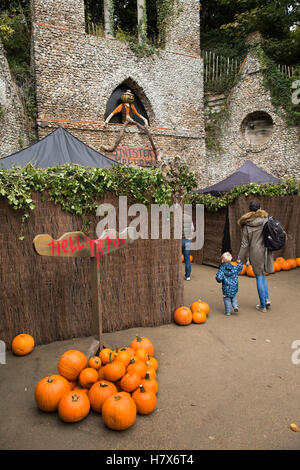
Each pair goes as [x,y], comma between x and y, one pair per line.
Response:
[138,338]
[142,390]
[50,379]
[75,397]
[148,376]
[132,360]
[118,397]
[102,384]
[110,359]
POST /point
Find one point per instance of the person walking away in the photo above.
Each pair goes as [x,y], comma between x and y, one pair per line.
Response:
[252,246]
[228,274]
[187,235]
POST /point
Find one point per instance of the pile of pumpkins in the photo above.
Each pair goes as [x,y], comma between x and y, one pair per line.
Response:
[118,384]
[280,264]
[196,313]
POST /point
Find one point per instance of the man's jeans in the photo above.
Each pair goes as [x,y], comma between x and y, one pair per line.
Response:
[262,289]
[228,301]
[186,251]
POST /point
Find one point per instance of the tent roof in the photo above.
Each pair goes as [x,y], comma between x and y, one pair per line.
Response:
[58,148]
[247,173]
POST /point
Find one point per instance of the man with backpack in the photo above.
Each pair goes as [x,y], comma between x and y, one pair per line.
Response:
[253,246]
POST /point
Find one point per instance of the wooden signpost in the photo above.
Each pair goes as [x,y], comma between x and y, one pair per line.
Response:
[78,245]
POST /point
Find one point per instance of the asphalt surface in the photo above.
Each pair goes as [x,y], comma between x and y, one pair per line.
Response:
[229,383]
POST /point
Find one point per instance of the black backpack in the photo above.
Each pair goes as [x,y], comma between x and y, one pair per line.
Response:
[273,234]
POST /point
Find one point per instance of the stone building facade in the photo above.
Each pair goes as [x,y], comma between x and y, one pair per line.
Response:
[254,131]
[76,74]
[13,135]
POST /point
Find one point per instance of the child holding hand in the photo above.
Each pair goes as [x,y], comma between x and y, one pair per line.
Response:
[228,274]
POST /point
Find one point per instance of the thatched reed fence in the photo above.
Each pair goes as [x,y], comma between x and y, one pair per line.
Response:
[50,298]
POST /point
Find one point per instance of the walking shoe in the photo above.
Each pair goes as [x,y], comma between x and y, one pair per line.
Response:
[268,304]
[187,278]
[261,309]
[235,309]
[227,314]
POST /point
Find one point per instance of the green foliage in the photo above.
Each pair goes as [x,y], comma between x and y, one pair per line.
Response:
[290,187]
[280,87]
[167,12]
[78,190]
[226,24]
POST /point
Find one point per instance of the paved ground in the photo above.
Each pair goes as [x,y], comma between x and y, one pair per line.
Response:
[227,384]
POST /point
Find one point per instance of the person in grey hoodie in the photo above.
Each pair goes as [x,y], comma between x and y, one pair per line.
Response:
[252,246]
[187,235]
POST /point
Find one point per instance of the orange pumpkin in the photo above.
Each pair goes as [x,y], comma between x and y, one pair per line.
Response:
[73,407]
[298,261]
[99,392]
[119,411]
[191,258]
[124,356]
[277,266]
[138,367]
[150,384]
[114,370]
[141,354]
[199,316]
[150,370]
[293,263]
[183,316]
[101,373]
[152,363]
[71,364]
[243,271]
[182,258]
[234,263]
[280,259]
[143,342]
[145,400]
[104,355]
[130,381]
[95,362]
[200,305]
[22,344]
[49,391]
[88,377]
[250,271]
[285,265]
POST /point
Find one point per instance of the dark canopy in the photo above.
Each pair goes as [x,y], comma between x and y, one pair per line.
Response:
[58,148]
[247,173]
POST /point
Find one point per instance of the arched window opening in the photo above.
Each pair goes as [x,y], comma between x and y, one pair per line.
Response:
[115,100]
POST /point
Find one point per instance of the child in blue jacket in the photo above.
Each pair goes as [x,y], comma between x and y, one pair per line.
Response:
[228,274]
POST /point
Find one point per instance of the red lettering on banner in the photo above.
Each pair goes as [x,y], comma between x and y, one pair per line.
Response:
[133,156]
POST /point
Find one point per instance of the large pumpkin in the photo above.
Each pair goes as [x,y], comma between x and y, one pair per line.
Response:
[49,391]
[99,392]
[22,344]
[142,342]
[119,411]
[71,364]
[183,316]
[145,400]
[73,406]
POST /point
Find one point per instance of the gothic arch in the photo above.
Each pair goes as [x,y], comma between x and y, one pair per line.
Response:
[141,103]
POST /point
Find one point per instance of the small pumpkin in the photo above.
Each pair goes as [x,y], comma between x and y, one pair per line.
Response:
[277,266]
[141,354]
[130,381]
[145,400]
[150,384]
[298,261]
[244,270]
[114,370]
[71,364]
[119,411]
[293,263]
[250,271]
[73,407]
[22,344]
[285,265]
[104,355]
[124,356]
[88,377]
[150,370]
[49,391]
[199,316]
[200,305]
[99,392]
[138,367]
[143,342]
[95,362]
[183,316]
[152,362]
[191,258]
